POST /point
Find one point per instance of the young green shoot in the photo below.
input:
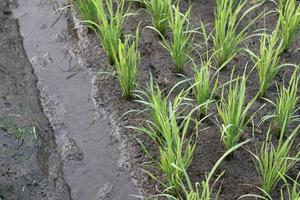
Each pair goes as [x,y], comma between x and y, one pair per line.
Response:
[228,35]
[157,104]
[178,149]
[160,11]
[175,147]
[289,20]
[203,190]
[86,9]
[179,46]
[273,161]
[233,111]
[108,25]
[293,192]
[204,87]
[287,192]
[286,105]
[267,60]
[127,59]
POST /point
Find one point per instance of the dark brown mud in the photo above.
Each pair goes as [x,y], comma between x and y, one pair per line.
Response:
[240,172]
[30,165]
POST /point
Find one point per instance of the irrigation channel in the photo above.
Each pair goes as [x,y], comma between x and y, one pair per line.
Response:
[86,150]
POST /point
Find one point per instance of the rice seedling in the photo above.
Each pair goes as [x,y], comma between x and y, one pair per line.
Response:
[228,35]
[289,20]
[160,11]
[272,161]
[127,58]
[286,105]
[178,150]
[169,134]
[233,112]
[205,189]
[87,9]
[287,192]
[108,24]
[157,105]
[292,193]
[267,60]
[20,133]
[204,87]
[179,46]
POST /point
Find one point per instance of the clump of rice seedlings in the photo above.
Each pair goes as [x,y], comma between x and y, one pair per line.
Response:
[87,9]
[160,11]
[286,105]
[108,24]
[204,87]
[228,35]
[289,20]
[233,111]
[267,60]
[273,161]
[287,192]
[157,105]
[203,190]
[178,149]
[179,46]
[127,58]
[175,147]
[19,133]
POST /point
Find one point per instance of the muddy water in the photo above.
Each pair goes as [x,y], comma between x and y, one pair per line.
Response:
[91,158]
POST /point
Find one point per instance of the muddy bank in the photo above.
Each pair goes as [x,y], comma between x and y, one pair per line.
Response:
[91,159]
[30,167]
[240,170]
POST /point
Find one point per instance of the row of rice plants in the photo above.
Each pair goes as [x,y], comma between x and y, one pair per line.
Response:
[273,163]
[175,147]
[107,18]
[170,135]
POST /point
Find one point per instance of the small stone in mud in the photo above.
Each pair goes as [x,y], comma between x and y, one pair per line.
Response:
[105,192]
[38,63]
[70,150]
[7,12]
[47,58]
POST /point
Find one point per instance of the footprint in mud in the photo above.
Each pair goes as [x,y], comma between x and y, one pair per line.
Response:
[39,63]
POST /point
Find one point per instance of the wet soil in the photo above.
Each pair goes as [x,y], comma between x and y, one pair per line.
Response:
[91,159]
[240,171]
[31,166]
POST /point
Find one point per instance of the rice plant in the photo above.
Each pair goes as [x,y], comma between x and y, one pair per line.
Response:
[228,35]
[87,9]
[267,60]
[286,105]
[292,192]
[160,11]
[157,105]
[272,161]
[179,46]
[108,24]
[287,192]
[233,112]
[127,58]
[178,149]
[175,147]
[289,20]
[204,87]
[205,189]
